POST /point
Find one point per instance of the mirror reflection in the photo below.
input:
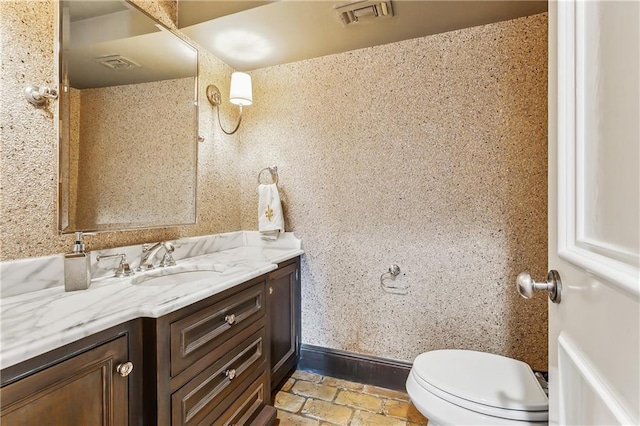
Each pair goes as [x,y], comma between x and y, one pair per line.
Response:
[128,120]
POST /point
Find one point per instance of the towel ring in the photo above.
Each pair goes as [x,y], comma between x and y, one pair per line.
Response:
[273,170]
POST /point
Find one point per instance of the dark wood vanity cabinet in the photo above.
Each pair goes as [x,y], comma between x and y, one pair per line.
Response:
[210,362]
[284,319]
[214,362]
[84,383]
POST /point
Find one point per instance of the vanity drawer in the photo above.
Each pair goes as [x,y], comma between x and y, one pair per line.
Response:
[247,406]
[212,391]
[200,333]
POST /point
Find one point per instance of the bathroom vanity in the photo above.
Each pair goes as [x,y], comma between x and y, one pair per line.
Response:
[195,352]
[200,342]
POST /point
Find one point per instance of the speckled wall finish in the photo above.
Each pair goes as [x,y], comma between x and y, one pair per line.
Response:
[430,153]
[71,114]
[137,169]
[28,151]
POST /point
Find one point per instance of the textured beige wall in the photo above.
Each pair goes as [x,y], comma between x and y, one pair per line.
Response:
[69,153]
[430,153]
[135,168]
[28,145]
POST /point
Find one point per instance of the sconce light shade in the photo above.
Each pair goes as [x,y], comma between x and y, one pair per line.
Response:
[240,93]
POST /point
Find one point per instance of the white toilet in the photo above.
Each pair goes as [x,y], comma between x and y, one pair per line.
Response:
[458,387]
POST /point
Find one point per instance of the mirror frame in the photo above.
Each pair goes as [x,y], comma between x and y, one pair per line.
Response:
[63,131]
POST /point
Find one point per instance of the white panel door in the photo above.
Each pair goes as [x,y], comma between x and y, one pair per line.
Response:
[594,208]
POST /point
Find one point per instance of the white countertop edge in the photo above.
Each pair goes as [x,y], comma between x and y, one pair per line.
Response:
[28,348]
[287,256]
[156,311]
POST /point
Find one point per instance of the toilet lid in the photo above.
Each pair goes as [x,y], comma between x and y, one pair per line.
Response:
[487,383]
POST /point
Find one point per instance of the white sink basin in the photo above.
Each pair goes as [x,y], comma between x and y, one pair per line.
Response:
[174,277]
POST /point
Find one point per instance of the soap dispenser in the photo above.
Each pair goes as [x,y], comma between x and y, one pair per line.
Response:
[77,267]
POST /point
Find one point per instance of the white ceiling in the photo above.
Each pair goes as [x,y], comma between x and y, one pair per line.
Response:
[79,10]
[249,35]
[95,29]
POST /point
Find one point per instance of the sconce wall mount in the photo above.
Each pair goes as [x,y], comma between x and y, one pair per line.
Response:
[240,95]
[213,95]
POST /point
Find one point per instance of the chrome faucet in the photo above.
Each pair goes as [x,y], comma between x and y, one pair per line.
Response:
[149,253]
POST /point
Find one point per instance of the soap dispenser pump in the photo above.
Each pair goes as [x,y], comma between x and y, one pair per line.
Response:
[77,267]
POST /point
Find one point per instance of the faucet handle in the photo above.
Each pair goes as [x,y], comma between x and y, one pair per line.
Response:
[123,269]
[167,260]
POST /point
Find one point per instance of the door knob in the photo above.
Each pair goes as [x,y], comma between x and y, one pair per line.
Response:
[526,285]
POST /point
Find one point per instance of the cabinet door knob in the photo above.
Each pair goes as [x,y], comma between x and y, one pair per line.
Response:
[125,369]
[270,290]
[231,374]
[230,319]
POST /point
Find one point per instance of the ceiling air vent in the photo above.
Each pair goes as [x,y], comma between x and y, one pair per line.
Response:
[364,11]
[116,62]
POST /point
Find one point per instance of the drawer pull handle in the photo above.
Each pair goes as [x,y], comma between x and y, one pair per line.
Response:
[230,319]
[125,369]
[231,374]
[270,290]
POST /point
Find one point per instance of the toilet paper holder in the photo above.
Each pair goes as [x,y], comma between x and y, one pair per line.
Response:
[393,272]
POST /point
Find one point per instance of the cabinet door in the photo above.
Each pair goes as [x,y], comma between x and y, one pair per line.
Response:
[83,390]
[284,320]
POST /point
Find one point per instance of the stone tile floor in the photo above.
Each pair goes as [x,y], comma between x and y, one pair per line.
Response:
[310,399]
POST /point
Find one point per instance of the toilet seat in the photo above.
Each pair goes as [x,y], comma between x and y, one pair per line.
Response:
[443,413]
[484,383]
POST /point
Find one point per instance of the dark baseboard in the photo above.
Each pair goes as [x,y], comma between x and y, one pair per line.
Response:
[354,367]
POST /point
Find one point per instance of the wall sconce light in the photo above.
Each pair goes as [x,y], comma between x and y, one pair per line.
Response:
[240,94]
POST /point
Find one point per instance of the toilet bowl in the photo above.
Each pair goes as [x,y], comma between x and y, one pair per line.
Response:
[459,387]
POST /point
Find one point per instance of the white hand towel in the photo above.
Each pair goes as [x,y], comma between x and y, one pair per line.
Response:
[270,217]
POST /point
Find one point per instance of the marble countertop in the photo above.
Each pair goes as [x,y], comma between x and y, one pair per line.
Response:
[38,321]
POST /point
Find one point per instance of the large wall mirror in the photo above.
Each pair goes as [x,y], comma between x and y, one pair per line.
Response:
[128,120]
